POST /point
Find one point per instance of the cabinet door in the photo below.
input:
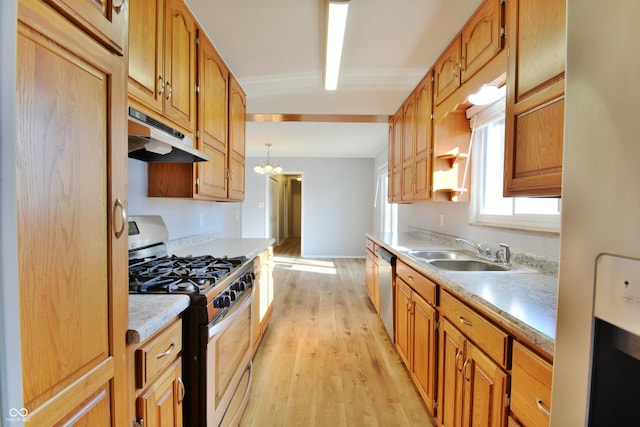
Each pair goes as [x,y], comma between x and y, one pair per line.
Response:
[424,349]
[408,146]
[146,53]
[256,307]
[403,321]
[481,38]
[72,247]
[485,390]
[396,159]
[450,363]
[534,119]
[237,134]
[447,72]
[106,20]
[424,139]
[161,404]
[369,261]
[180,64]
[530,387]
[213,119]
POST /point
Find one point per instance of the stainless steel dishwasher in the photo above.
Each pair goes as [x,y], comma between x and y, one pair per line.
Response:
[386,267]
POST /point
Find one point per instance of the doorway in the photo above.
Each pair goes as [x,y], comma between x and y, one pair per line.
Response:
[284,198]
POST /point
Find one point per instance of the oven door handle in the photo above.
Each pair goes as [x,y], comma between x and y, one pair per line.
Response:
[214,328]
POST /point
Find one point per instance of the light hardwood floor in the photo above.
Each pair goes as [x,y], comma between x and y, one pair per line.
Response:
[325,359]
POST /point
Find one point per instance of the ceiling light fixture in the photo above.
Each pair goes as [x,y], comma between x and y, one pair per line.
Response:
[268,168]
[487,94]
[335,36]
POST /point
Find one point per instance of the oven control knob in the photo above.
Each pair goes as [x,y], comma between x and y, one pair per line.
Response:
[222,301]
[238,286]
[231,294]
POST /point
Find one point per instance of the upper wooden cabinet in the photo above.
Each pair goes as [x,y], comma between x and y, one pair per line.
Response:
[71,182]
[213,121]
[395,156]
[534,120]
[422,161]
[479,41]
[408,146]
[105,20]
[237,141]
[162,61]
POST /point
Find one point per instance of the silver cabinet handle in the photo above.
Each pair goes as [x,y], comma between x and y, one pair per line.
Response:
[123,215]
[166,353]
[458,354]
[169,90]
[464,369]
[465,321]
[160,85]
[542,409]
[182,390]
[118,7]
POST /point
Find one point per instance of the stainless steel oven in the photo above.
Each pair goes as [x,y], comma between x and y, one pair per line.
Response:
[217,325]
[229,364]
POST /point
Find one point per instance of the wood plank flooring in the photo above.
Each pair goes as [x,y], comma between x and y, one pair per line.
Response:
[325,359]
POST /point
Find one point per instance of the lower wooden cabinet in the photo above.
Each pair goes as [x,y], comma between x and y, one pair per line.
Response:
[158,388]
[371,278]
[473,383]
[262,307]
[416,331]
[530,388]
[472,387]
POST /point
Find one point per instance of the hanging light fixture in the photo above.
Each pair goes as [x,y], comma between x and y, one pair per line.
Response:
[267,168]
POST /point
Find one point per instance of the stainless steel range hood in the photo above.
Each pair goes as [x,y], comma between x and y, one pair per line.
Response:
[153,141]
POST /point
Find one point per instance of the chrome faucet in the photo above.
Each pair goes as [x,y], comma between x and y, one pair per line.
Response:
[507,254]
[475,246]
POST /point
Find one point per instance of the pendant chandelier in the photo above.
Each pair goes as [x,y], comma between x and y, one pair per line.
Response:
[268,168]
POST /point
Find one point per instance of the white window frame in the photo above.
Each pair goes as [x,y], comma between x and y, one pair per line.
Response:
[482,116]
[388,212]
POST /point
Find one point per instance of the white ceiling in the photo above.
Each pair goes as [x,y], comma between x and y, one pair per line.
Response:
[275,49]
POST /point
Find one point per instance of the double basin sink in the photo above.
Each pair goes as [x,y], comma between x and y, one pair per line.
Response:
[455,260]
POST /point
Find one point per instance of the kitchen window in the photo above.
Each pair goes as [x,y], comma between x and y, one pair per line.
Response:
[386,213]
[488,206]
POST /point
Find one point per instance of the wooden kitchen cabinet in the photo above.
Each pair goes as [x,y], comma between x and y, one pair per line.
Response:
[416,332]
[213,121]
[423,158]
[534,119]
[395,156]
[531,378]
[159,389]
[105,20]
[71,169]
[408,146]
[473,358]
[221,135]
[263,293]
[480,40]
[371,275]
[162,61]
[237,139]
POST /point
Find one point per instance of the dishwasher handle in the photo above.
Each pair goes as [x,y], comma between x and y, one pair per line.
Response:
[387,256]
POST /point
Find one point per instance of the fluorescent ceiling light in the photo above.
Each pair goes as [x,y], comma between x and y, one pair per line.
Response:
[335,36]
[487,94]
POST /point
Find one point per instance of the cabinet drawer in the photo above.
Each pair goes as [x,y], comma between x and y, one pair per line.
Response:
[158,353]
[492,340]
[371,246]
[420,284]
[530,387]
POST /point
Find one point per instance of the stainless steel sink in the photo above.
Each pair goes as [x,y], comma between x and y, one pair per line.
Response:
[467,265]
[443,254]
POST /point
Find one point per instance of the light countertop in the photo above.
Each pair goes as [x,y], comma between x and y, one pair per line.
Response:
[522,301]
[149,313]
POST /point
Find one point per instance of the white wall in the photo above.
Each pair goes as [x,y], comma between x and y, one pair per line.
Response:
[337,204]
[457,215]
[182,217]
[600,181]
[10,359]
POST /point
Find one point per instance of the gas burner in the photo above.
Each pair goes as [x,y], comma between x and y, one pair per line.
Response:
[172,274]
